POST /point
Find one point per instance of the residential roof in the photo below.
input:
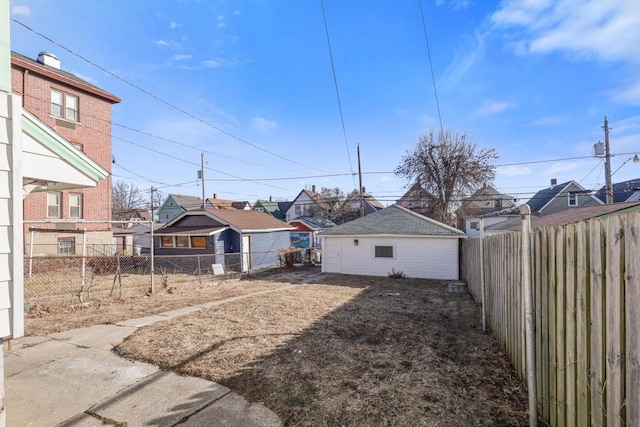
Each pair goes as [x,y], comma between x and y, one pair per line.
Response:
[622,191]
[315,223]
[394,220]
[542,197]
[248,220]
[227,204]
[568,216]
[189,230]
[60,75]
[276,209]
[188,203]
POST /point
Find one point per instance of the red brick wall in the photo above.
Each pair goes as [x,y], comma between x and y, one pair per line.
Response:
[93,131]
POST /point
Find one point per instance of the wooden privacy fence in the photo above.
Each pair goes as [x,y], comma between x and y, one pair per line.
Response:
[586,295]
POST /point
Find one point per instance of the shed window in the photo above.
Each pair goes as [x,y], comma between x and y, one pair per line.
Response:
[384,251]
[182,241]
[198,242]
[166,241]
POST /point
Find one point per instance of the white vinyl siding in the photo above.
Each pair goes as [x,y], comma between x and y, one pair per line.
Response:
[418,257]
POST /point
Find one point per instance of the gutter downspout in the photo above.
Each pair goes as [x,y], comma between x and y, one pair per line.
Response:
[527,289]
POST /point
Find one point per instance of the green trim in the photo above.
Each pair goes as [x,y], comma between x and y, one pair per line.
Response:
[54,142]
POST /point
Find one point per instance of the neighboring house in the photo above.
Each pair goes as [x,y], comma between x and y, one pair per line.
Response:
[130,217]
[625,191]
[487,203]
[302,203]
[416,199]
[306,231]
[567,216]
[275,209]
[352,209]
[392,239]
[70,114]
[256,238]
[558,197]
[175,205]
[215,203]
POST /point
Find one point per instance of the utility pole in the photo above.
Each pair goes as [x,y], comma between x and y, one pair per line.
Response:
[202,178]
[607,163]
[360,182]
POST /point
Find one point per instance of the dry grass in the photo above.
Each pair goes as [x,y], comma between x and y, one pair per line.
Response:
[347,351]
[50,315]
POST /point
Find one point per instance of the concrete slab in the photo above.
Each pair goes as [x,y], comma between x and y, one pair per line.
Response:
[83,420]
[98,336]
[25,358]
[15,344]
[180,312]
[163,399]
[143,321]
[49,394]
[234,410]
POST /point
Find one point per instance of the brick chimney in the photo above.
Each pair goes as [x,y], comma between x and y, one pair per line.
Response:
[554,182]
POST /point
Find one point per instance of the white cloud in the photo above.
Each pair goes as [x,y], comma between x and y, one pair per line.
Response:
[160,42]
[454,4]
[179,57]
[221,21]
[262,125]
[220,62]
[173,25]
[588,29]
[463,61]
[21,10]
[513,170]
[560,167]
[493,107]
[549,121]
[629,94]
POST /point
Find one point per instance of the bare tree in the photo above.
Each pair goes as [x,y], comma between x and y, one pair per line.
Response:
[334,205]
[449,167]
[125,199]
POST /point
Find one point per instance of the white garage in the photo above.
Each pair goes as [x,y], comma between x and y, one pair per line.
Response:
[392,239]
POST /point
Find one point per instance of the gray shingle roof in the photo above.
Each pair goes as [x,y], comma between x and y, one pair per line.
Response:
[394,220]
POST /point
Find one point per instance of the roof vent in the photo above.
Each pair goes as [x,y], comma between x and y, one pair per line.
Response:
[49,59]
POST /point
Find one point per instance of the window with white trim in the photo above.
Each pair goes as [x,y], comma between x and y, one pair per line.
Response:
[75,205]
[53,205]
[66,245]
[185,242]
[573,199]
[384,251]
[64,105]
[475,225]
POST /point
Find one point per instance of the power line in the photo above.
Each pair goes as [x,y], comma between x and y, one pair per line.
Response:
[433,78]
[335,83]
[157,98]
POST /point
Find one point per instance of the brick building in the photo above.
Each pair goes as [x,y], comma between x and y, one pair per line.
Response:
[80,113]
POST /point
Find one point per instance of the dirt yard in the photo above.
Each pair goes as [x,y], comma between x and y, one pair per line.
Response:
[51,316]
[347,351]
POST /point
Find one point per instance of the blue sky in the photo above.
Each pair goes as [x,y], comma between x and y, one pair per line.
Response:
[531,78]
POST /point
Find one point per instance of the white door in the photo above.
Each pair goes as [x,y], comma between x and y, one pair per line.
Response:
[246,253]
[331,259]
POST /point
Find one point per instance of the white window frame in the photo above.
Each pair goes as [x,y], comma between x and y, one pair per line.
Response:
[57,205]
[64,248]
[72,205]
[174,242]
[572,197]
[64,105]
[393,251]
[474,225]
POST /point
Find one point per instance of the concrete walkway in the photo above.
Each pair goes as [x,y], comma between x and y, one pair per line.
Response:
[74,378]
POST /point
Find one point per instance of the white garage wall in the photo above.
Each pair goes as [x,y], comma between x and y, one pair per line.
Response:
[419,257]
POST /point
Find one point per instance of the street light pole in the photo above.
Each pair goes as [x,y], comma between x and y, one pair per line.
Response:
[607,163]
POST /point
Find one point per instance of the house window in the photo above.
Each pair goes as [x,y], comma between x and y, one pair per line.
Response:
[475,225]
[166,241]
[66,245]
[64,105]
[198,242]
[182,241]
[53,205]
[297,209]
[75,205]
[384,251]
[573,199]
[259,210]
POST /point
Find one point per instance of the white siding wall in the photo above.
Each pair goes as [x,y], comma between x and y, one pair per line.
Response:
[419,257]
